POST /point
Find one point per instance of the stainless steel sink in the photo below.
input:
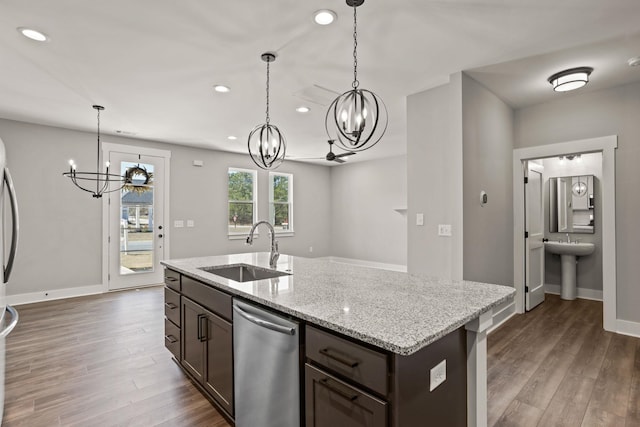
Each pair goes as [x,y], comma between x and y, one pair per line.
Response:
[243,272]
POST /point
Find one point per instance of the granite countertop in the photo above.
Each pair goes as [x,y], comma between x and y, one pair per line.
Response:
[399,312]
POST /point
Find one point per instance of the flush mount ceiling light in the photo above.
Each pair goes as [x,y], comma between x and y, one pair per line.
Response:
[571,79]
[357,119]
[303,109]
[324,17]
[221,88]
[102,180]
[32,34]
[266,143]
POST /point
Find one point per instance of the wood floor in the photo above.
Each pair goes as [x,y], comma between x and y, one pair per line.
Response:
[556,366]
[100,361]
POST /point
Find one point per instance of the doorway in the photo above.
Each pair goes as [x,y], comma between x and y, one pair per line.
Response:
[136,238]
[605,145]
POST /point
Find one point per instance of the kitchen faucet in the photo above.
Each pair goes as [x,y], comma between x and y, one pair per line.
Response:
[273,257]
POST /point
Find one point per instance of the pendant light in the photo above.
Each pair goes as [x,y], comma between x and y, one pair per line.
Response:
[101,180]
[357,119]
[266,143]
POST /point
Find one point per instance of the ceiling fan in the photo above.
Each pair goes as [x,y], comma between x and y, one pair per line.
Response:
[331,156]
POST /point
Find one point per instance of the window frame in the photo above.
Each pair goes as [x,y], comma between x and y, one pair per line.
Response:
[241,235]
[290,230]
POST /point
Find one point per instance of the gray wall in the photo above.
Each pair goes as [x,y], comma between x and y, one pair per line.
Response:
[61,226]
[434,179]
[589,272]
[488,152]
[600,113]
[364,224]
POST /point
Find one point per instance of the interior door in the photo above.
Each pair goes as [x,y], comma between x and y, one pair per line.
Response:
[534,226]
[136,222]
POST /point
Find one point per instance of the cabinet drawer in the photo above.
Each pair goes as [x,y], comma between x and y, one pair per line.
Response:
[172,338]
[330,402]
[353,361]
[205,295]
[172,305]
[172,279]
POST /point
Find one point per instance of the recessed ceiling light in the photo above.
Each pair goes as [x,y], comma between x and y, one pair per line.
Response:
[232,138]
[571,79]
[221,88]
[634,62]
[32,34]
[324,16]
[303,109]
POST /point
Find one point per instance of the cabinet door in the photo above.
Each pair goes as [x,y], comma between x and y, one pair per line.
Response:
[330,402]
[219,362]
[193,338]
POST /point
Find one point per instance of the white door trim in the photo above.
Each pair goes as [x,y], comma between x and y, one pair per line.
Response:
[607,145]
[107,149]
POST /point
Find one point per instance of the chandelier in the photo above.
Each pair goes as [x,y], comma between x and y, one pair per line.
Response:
[266,143]
[101,180]
[357,119]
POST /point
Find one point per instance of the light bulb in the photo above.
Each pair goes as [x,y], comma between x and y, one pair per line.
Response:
[107,164]
[71,162]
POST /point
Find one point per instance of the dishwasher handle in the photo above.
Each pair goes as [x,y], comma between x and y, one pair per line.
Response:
[264,323]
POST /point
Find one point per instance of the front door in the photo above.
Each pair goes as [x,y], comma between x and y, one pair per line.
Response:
[534,226]
[136,222]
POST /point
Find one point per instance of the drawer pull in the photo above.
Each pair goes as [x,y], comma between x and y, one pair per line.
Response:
[170,338]
[339,359]
[170,305]
[350,397]
[171,279]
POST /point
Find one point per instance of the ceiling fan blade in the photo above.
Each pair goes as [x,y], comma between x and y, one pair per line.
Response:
[350,153]
[338,160]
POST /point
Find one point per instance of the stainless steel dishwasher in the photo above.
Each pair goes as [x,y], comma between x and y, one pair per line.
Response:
[266,368]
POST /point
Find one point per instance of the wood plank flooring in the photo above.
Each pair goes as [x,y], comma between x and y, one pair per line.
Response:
[556,366]
[101,361]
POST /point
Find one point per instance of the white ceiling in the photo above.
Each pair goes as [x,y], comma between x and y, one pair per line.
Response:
[153,63]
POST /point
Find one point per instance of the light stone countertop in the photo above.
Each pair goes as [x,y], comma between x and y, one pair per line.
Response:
[399,312]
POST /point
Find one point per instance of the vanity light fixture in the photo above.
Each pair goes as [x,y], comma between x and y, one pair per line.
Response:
[267,146]
[102,180]
[357,119]
[324,16]
[571,79]
[32,34]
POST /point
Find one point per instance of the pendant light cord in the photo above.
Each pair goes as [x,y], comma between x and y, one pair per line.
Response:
[356,83]
[98,154]
[268,62]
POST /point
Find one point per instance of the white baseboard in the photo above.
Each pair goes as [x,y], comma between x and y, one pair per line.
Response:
[371,264]
[501,315]
[625,327]
[583,293]
[54,294]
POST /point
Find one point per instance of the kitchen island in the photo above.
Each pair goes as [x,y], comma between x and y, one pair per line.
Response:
[398,316]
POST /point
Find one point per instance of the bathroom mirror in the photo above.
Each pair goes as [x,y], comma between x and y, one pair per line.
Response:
[571,208]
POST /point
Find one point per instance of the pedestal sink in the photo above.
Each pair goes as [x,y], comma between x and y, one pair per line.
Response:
[568,252]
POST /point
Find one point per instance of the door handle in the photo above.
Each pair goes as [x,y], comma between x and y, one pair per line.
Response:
[202,327]
[160,236]
[15,221]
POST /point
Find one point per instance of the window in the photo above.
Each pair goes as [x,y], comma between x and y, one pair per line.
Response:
[281,202]
[242,196]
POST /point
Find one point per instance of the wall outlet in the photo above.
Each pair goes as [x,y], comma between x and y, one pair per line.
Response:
[191,223]
[419,219]
[178,223]
[444,229]
[438,375]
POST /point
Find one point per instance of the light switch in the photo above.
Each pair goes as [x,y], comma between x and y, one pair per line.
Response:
[419,219]
[444,230]
[178,223]
[438,375]
[191,223]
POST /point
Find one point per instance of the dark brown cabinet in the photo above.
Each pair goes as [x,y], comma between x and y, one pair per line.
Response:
[207,351]
[330,402]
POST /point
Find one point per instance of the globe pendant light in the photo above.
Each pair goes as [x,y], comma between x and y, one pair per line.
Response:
[357,119]
[266,143]
[101,180]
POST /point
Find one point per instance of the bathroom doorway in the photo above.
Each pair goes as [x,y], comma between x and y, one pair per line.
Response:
[604,145]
